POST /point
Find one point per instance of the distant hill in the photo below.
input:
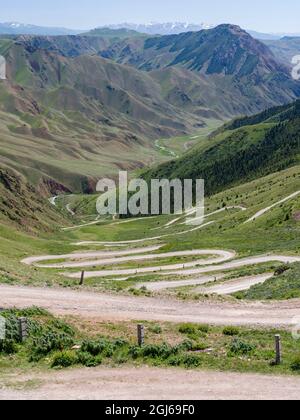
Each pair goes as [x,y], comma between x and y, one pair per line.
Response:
[243,150]
[15,28]
[285,48]
[113,33]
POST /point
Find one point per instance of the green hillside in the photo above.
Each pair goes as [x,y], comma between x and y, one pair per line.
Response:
[24,207]
[245,149]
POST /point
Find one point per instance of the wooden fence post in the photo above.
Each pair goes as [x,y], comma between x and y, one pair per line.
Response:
[23,329]
[82,278]
[278,349]
[141,335]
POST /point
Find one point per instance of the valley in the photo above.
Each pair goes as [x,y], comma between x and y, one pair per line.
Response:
[215,104]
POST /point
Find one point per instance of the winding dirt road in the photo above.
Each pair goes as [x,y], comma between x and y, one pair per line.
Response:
[263,211]
[151,384]
[84,255]
[236,285]
[105,307]
[177,269]
[221,256]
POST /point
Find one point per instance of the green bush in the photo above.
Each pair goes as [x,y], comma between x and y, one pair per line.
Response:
[231,331]
[191,361]
[175,361]
[203,328]
[187,329]
[120,342]
[187,345]
[95,348]
[64,359]
[199,347]
[62,327]
[239,347]
[135,352]
[49,341]
[155,329]
[163,351]
[86,359]
[193,329]
[295,365]
[8,347]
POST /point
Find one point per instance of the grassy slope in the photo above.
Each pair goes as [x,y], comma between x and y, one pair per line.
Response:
[23,207]
[284,286]
[246,149]
[274,232]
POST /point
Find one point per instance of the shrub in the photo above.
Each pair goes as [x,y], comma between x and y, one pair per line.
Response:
[135,352]
[155,329]
[191,361]
[231,331]
[8,347]
[64,359]
[49,341]
[175,361]
[86,359]
[120,342]
[63,327]
[239,347]
[193,329]
[199,347]
[187,329]
[295,365]
[27,312]
[163,351]
[203,328]
[185,346]
[95,348]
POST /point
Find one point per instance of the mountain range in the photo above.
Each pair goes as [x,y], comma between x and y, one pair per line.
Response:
[168,28]
[87,106]
[152,28]
[16,28]
[175,28]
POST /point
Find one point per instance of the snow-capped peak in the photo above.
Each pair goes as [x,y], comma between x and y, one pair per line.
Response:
[166,28]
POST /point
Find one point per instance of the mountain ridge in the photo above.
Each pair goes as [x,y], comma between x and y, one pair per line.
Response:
[79,111]
[16,28]
[244,149]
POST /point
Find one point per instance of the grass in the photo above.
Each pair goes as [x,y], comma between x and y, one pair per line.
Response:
[283,286]
[51,345]
[276,232]
[177,146]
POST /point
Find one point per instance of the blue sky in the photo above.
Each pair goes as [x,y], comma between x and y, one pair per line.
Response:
[261,15]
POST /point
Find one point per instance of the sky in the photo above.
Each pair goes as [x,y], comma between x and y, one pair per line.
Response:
[260,15]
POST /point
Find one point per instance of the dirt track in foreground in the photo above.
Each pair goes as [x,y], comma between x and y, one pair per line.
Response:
[150,383]
[107,307]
